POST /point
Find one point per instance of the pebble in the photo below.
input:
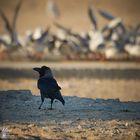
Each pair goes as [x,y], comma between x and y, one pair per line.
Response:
[66,122]
[79,127]
[31,125]
[126,124]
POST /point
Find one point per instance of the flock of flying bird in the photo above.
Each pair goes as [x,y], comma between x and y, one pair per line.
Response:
[112,41]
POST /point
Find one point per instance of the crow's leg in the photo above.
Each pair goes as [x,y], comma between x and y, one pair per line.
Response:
[51,103]
[42,99]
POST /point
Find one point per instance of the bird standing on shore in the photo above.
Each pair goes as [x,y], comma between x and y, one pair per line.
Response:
[48,85]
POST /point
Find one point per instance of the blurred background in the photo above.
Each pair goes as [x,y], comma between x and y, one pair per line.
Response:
[66,35]
[69,30]
[72,13]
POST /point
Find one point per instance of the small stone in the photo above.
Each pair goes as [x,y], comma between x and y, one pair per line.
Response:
[126,124]
[66,122]
[31,125]
[79,127]
[45,127]
[90,105]
[78,119]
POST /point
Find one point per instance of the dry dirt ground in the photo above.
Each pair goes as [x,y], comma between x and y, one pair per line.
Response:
[80,118]
[96,108]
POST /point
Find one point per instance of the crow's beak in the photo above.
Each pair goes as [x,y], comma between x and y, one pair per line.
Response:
[37,69]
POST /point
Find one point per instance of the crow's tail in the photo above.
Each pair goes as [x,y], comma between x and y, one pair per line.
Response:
[60,98]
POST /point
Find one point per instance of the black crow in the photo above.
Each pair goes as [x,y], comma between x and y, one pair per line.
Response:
[48,85]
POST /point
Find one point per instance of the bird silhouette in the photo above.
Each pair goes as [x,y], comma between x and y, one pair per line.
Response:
[48,86]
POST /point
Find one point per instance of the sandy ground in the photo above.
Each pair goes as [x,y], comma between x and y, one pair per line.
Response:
[80,118]
[96,108]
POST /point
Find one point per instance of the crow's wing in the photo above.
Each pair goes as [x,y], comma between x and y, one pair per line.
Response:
[48,85]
